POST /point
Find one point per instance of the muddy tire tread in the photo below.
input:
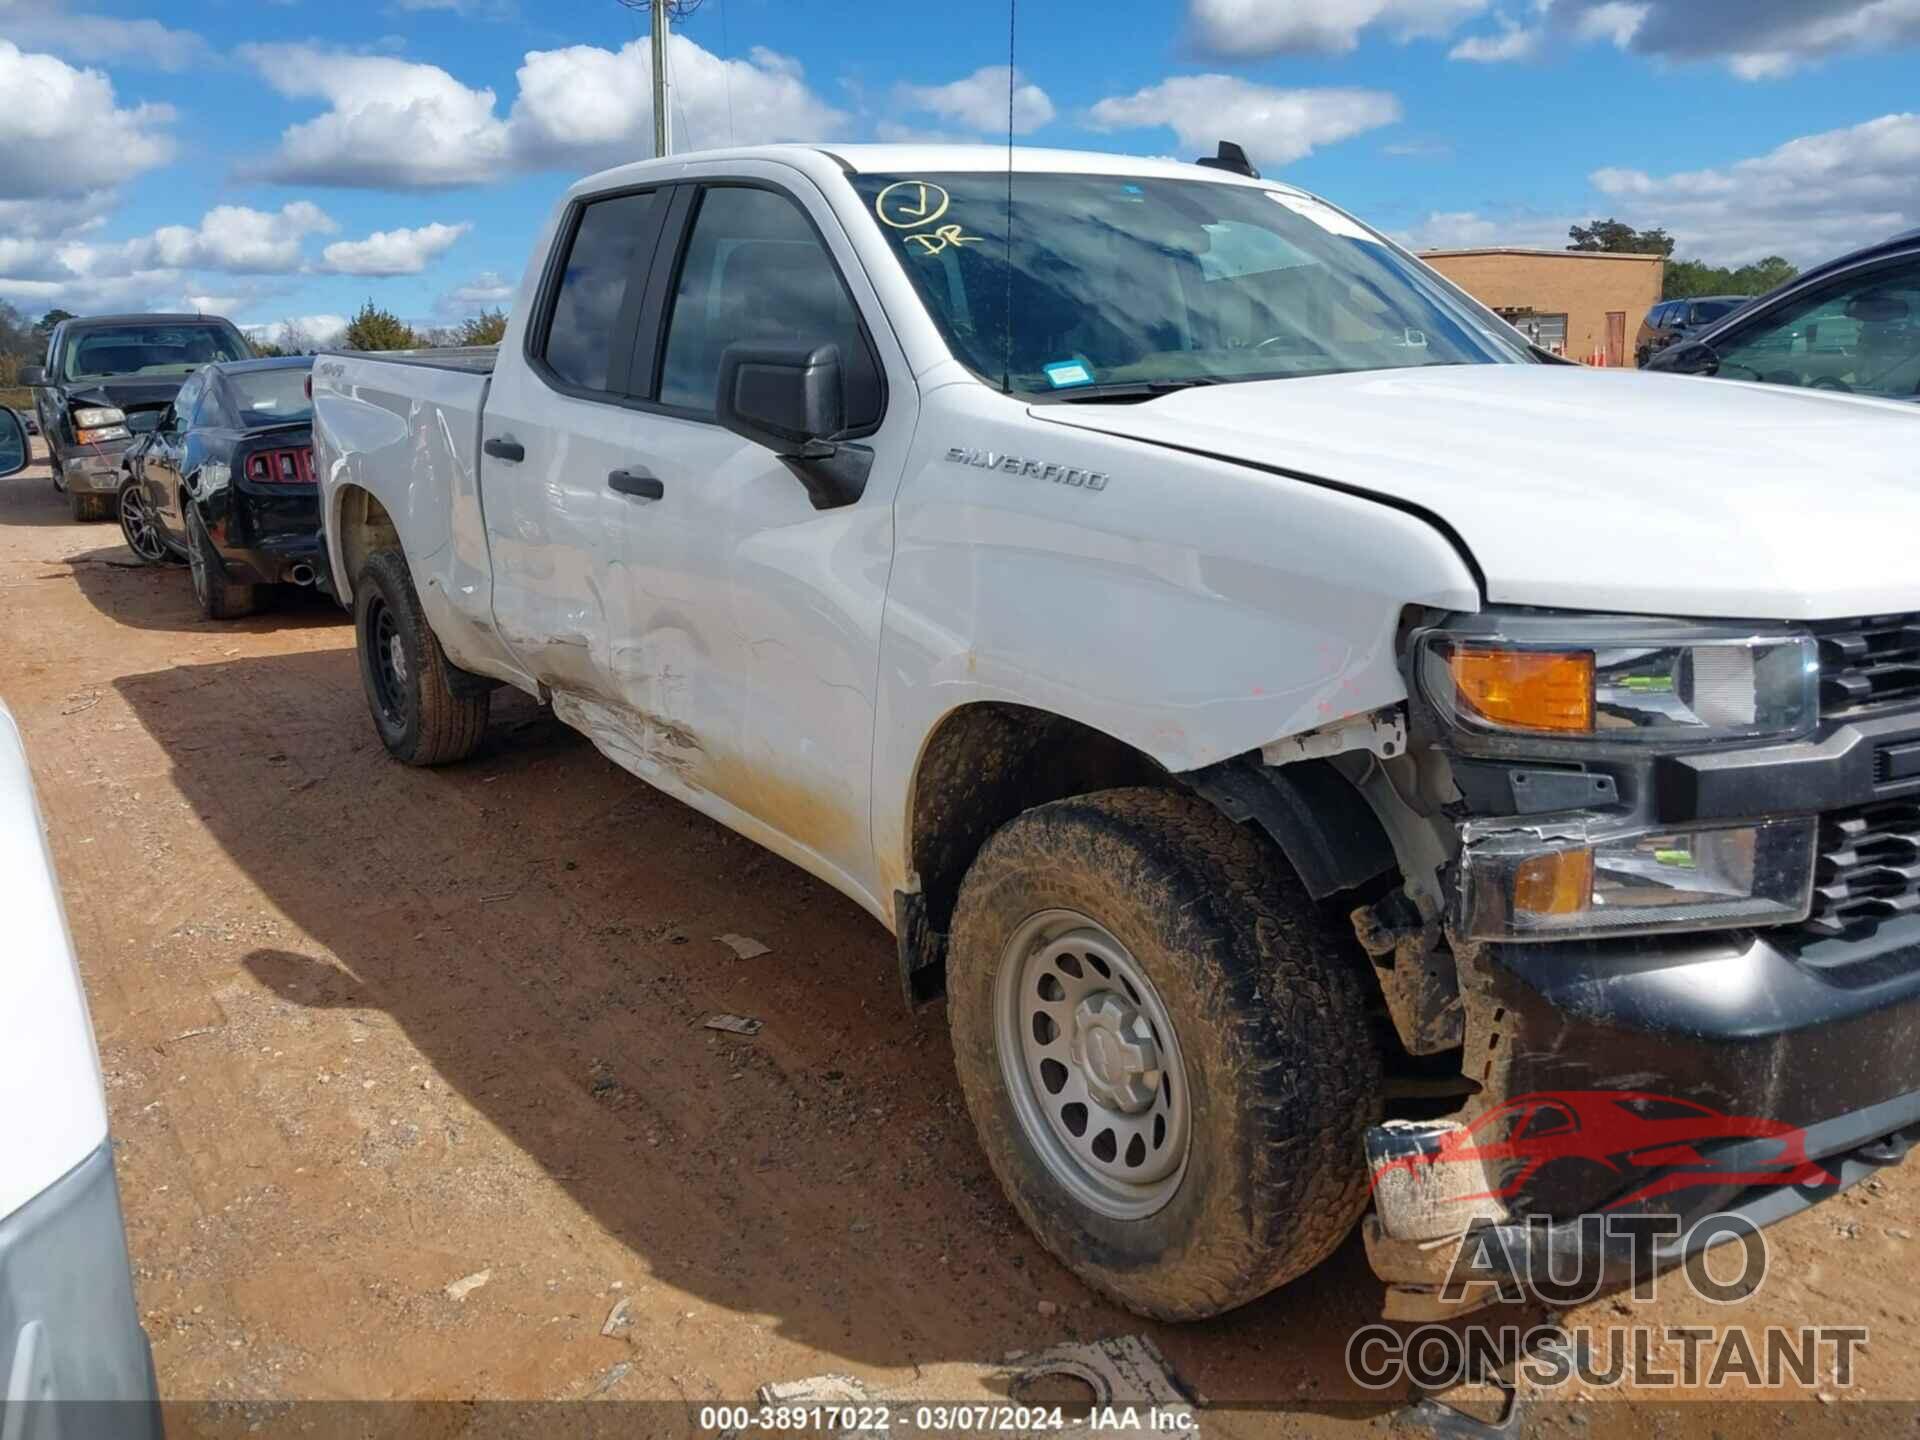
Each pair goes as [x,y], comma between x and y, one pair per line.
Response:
[452,704]
[1288,1024]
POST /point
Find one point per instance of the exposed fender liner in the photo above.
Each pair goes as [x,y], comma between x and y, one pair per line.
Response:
[1327,830]
[1392,502]
[923,951]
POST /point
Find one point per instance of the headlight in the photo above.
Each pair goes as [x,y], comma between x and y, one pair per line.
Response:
[1619,680]
[1586,882]
[99,417]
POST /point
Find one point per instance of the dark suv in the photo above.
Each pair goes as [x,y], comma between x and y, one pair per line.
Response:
[1851,326]
[108,377]
[1674,320]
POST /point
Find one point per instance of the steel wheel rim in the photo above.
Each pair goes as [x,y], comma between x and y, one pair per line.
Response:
[136,523]
[389,662]
[1093,1065]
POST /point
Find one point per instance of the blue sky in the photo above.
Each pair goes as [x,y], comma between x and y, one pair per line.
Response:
[287,160]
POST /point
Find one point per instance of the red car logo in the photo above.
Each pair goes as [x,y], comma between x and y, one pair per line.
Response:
[1625,1131]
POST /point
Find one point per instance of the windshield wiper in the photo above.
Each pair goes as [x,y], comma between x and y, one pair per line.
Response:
[1121,391]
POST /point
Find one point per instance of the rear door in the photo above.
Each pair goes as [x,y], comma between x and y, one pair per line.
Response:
[558,420]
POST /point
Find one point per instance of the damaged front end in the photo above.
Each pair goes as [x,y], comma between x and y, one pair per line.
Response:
[1661,904]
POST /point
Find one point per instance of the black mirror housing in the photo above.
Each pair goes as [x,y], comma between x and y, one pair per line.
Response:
[15,452]
[1688,357]
[32,377]
[781,395]
[791,398]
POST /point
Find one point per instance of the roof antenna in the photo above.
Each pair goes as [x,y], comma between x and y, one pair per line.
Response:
[1231,157]
[1006,364]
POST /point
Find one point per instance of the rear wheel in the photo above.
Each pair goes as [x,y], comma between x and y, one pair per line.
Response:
[428,711]
[219,597]
[137,524]
[1164,1049]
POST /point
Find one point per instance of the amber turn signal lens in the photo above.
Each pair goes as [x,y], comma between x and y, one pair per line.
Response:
[1556,884]
[1527,689]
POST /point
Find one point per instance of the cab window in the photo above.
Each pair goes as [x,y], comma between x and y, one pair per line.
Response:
[755,269]
[605,270]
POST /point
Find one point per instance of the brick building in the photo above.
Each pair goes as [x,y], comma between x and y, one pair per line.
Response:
[1580,303]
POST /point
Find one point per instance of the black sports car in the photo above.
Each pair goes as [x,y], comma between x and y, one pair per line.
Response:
[225,482]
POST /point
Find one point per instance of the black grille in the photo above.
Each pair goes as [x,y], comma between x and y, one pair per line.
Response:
[1867,664]
[1868,869]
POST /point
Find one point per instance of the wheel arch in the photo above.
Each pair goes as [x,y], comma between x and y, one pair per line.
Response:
[986,762]
[358,525]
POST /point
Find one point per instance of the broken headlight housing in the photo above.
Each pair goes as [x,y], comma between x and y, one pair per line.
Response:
[1562,882]
[1600,680]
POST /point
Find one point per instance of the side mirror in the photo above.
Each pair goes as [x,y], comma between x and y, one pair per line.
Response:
[791,398]
[14,450]
[1689,357]
[32,377]
[782,396]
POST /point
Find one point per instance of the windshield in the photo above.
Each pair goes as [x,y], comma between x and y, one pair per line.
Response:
[147,349]
[1136,283]
[270,397]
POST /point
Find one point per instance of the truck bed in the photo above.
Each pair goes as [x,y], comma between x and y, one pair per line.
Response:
[475,359]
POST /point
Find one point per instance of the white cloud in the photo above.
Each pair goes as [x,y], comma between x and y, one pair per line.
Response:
[585,106]
[1275,126]
[392,252]
[979,101]
[155,269]
[68,215]
[1270,27]
[299,332]
[489,290]
[404,125]
[62,132]
[212,304]
[43,25]
[1808,199]
[389,123]
[1513,42]
[1470,230]
[1755,39]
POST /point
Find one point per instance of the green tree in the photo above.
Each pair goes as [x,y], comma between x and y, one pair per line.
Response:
[376,329]
[44,325]
[1689,278]
[486,328]
[1619,238]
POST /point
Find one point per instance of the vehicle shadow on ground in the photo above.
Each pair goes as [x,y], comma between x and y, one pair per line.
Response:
[541,927]
[160,597]
[29,499]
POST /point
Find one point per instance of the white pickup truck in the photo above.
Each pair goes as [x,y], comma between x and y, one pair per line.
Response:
[1319,767]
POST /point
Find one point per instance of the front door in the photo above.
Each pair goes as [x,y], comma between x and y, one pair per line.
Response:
[752,636]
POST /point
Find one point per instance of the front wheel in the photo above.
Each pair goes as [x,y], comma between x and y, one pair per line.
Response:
[88,506]
[428,711]
[1165,1050]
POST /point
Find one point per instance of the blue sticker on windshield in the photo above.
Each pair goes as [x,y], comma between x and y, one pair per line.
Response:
[1068,372]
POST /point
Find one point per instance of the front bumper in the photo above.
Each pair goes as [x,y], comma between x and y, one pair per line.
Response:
[93,469]
[71,1347]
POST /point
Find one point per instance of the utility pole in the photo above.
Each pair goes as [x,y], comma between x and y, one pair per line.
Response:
[662,110]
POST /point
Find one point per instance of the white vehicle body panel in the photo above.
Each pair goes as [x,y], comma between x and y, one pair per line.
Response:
[1240,578]
[55,1106]
[1598,489]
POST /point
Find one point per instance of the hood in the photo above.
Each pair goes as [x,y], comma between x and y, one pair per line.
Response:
[133,393]
[1595,489]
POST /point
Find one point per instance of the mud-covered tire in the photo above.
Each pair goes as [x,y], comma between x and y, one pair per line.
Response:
[1270,1017]
[88,507]
[218,597]
[428,711]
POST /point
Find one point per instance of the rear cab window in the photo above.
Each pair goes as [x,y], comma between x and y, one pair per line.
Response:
[598,293]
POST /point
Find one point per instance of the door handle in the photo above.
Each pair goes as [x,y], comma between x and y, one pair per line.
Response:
[637,481]
[502,448]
